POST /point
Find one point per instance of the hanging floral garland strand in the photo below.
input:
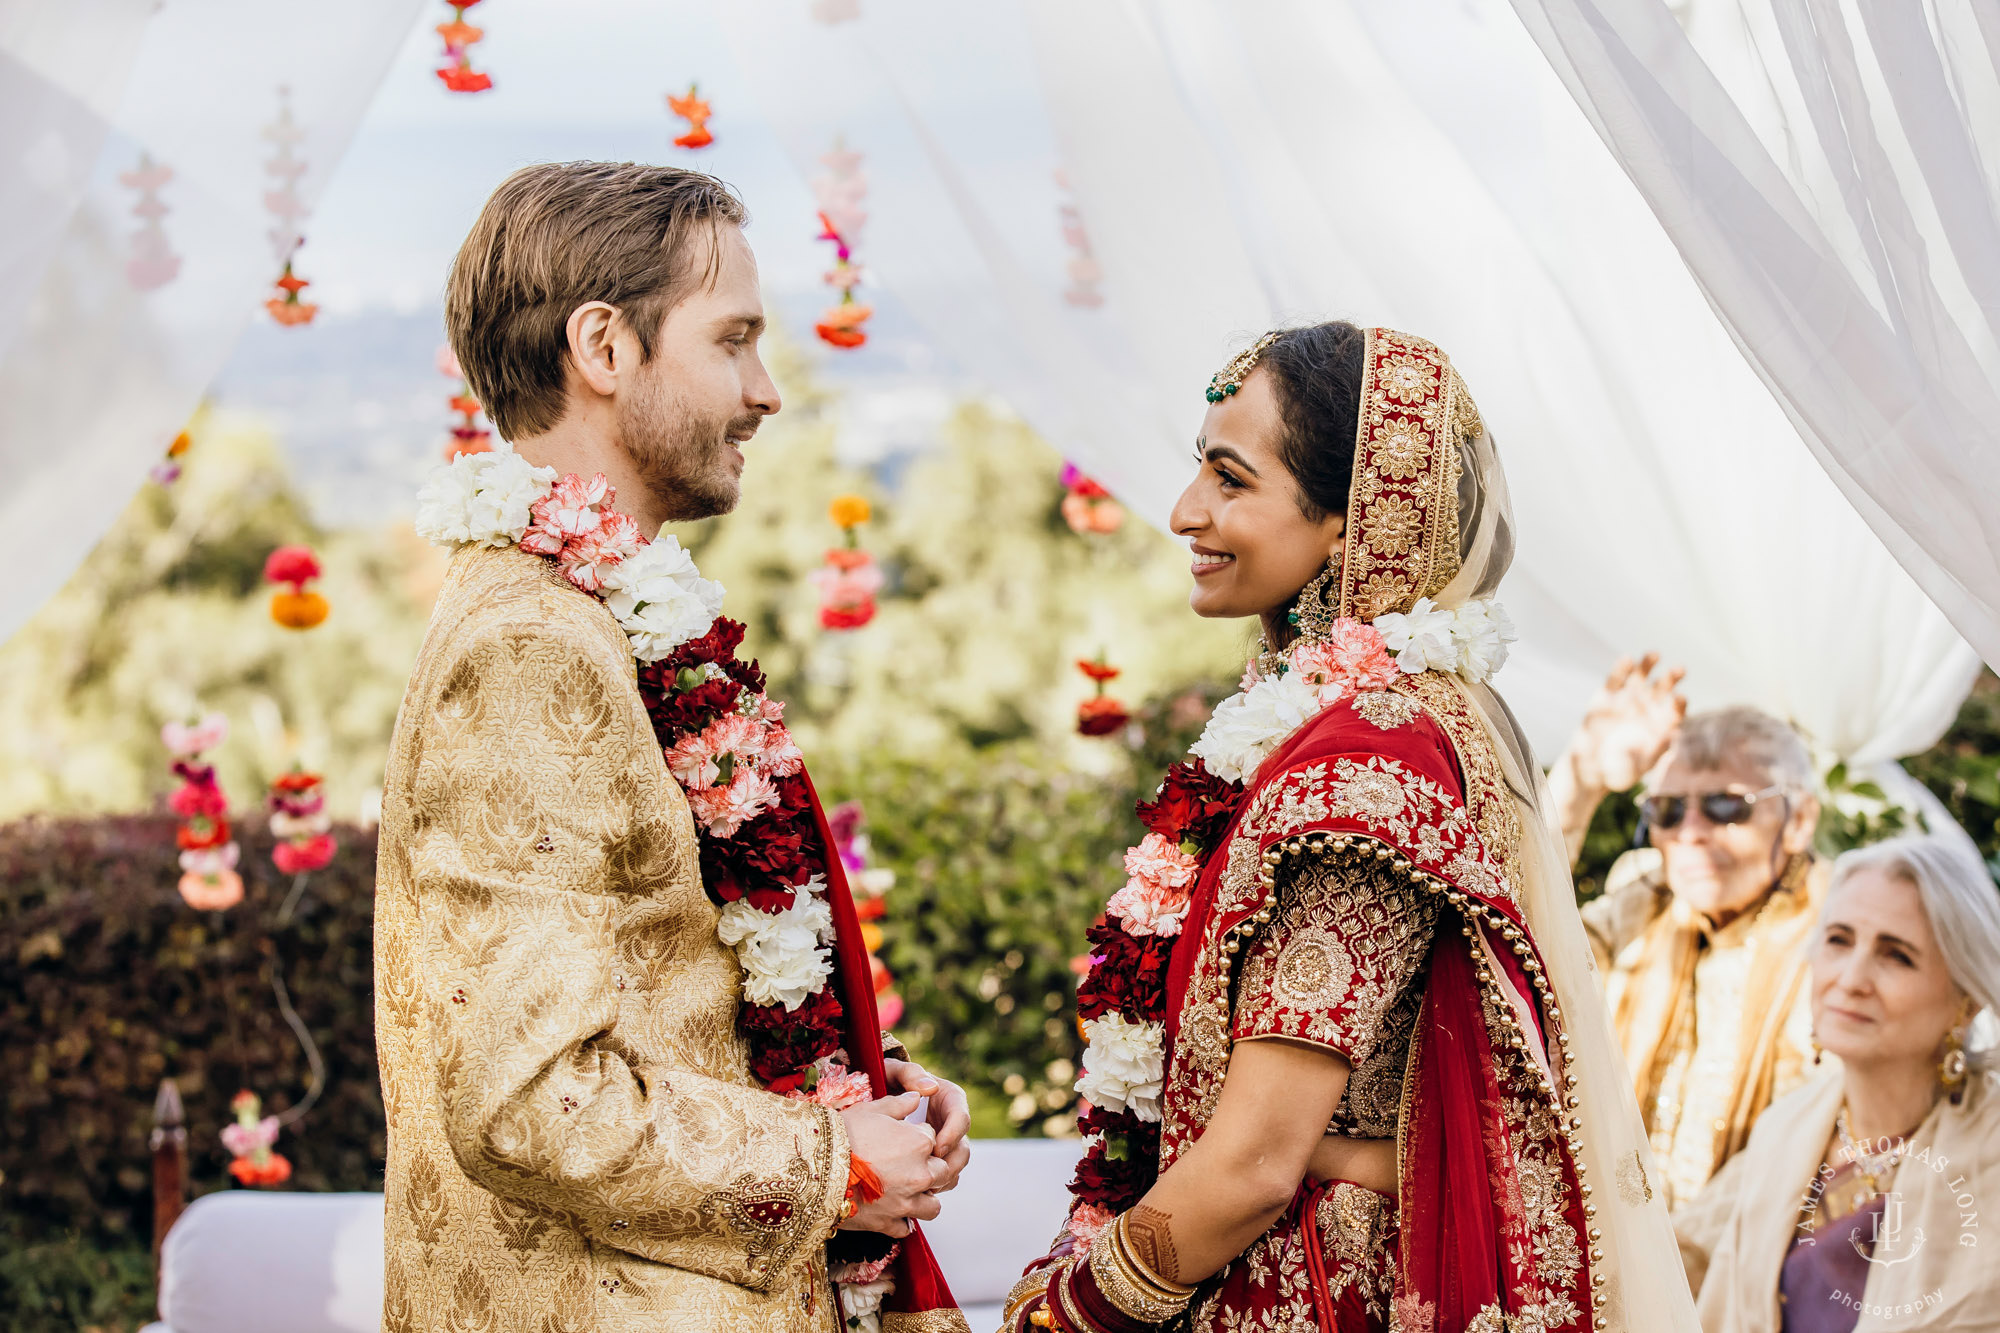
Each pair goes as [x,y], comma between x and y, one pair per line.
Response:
[1084,272]
[467,435]
[1101,714]
[849,579]
[168,470]
[459,38]
[693,109]
[287,211]
[871,887]
[1087,507]
[153,262]
[293,606]
[209,881]
[840,191]
[249,1142]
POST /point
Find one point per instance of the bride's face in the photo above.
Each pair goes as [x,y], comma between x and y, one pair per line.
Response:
[1254,548]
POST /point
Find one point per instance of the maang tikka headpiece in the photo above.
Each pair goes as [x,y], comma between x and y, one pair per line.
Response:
[1230,378]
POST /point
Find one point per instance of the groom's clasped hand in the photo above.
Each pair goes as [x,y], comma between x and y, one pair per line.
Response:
[915,1160]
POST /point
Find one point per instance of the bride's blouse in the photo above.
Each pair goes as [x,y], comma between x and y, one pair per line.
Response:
[1340,966]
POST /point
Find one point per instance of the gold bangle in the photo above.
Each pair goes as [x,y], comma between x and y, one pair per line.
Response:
[1125,1288]
[1145,1276]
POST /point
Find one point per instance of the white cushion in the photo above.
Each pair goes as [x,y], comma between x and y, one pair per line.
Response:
[244,1261]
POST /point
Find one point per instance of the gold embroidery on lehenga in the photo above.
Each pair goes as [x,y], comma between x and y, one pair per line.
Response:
[1385,710]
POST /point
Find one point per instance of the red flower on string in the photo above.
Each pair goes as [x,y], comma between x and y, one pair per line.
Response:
[467,435]
[693,109]
[295,607]
[459,39]
[840,193]
[287,308]
[300,821]
[1100,715]
[849,578]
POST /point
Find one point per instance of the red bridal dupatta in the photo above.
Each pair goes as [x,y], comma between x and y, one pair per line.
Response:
[920,1301]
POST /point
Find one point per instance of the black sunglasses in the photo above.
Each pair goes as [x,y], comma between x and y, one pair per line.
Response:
[1717,807]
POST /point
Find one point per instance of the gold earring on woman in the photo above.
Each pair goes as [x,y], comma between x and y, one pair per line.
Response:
[1318,605]
[1952,1066]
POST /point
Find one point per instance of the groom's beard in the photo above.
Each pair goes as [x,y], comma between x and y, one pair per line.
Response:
[684,458]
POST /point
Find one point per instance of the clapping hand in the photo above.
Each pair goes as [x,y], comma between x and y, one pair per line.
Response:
[1628,726]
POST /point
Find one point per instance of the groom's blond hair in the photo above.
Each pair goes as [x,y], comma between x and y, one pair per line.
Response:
[555,236]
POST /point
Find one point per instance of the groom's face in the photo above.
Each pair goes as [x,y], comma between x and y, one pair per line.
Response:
[702,394]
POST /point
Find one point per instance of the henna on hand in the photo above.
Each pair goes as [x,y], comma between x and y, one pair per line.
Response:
[1149,1232]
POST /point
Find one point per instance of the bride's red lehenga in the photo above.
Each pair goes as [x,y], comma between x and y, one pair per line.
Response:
[1363,897]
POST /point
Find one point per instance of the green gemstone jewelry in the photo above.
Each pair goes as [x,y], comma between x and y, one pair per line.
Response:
[1230,378]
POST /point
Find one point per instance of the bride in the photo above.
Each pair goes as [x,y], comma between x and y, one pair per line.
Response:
[1347,1067]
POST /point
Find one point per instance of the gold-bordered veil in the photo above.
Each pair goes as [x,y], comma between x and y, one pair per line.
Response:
[1429,516]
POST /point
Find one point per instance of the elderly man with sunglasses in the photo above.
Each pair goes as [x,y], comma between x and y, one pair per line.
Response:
[1701,933]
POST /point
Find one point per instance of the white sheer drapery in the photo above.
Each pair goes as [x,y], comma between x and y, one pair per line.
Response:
[1415,165]
[1830,171]
[112,323]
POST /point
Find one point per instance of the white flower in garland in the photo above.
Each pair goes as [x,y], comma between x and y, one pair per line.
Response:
[1482,631]
[1421,638]
[783,961]
[1124,1064]
[861,1303]
[1248,726]
[660,598]
[481,499]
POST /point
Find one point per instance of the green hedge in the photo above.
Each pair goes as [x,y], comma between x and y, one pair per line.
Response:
[109,982]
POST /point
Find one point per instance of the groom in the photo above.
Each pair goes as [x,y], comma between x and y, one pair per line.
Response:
[575,1140]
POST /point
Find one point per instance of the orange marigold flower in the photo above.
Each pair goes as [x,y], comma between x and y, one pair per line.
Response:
[849,511]
[459,33]
[273,1170]
[691,107]
[179,446]
[299,610]
[290,312]
[465,403]
[699,137]
[212,895]
[1097,670]
[458,79]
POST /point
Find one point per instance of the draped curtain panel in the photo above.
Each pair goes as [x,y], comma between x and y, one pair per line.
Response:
[1830,172]
[136,221]
[1417,165]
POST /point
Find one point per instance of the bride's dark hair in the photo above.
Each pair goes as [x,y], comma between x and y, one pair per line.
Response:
[1317,373]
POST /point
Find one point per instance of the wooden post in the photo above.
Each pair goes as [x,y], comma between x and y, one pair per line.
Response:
[169,1165]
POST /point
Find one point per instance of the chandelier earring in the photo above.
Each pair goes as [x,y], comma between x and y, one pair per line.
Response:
[1318,605]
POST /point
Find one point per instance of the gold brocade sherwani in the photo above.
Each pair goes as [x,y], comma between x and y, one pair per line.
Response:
[575,1142]
[1715,1023]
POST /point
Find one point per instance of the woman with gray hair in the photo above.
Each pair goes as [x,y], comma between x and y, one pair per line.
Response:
[1857,1203]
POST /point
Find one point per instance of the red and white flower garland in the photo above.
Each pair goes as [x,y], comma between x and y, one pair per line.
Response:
[1122,1001]
[724,739]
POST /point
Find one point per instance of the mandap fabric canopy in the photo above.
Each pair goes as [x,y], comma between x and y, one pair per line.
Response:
[1418,165]
[1831,174]
[155,162]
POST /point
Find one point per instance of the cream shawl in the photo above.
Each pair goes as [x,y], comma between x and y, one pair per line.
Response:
[1734,1237]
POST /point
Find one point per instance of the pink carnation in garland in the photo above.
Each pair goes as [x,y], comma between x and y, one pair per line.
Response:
[1161,862]
[1353,660]
[575,523]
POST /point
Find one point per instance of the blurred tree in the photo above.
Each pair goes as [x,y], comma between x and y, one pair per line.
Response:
[169,616]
